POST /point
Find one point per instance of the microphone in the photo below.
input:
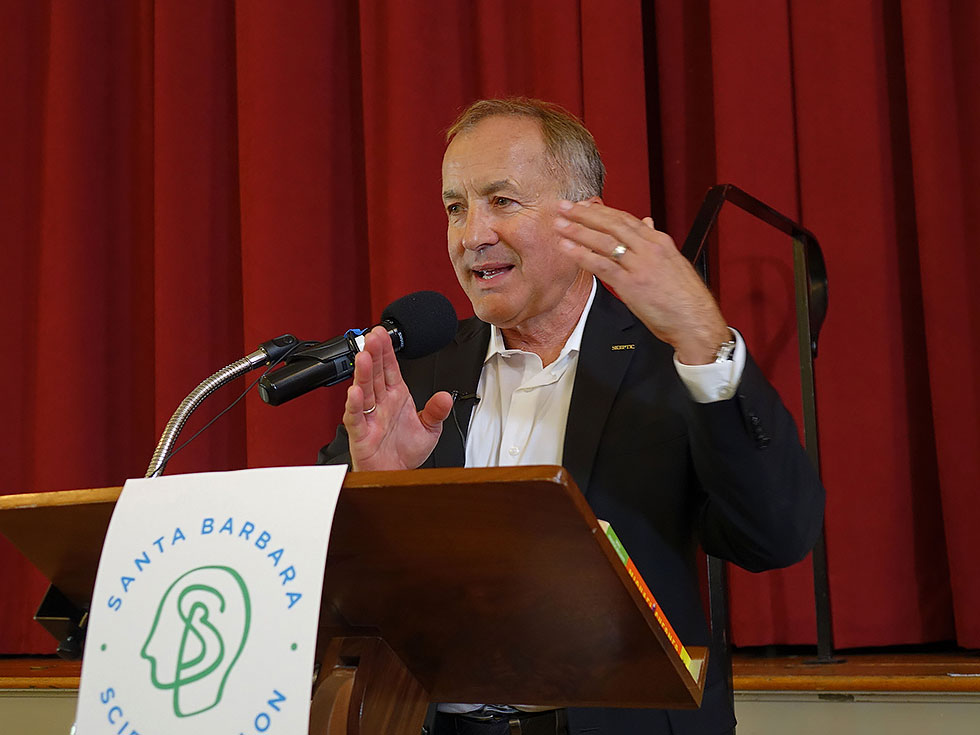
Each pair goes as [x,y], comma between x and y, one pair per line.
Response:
[418,324]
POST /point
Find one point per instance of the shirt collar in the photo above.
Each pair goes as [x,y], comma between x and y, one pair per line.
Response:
[573,343]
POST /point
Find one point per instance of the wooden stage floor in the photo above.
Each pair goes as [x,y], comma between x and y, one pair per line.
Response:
[953,671]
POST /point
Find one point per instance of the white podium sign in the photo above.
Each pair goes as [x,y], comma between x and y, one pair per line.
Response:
[206,603]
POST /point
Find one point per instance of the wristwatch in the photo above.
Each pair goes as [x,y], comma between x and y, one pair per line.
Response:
[726,352]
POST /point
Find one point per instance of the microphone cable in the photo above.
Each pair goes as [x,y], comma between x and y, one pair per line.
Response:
[226,409]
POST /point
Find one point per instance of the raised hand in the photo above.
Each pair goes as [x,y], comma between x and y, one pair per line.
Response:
[649,273]
[384,429]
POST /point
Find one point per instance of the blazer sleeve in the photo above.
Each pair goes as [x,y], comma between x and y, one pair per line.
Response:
[763,504]
[337,451]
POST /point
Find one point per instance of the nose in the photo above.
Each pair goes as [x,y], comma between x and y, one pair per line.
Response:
[478,231]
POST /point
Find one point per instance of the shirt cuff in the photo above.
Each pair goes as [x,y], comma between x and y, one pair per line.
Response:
[716,381]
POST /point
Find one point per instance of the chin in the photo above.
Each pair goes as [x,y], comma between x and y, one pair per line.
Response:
[488,308]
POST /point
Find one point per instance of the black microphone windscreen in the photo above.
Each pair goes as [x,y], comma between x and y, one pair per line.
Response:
[427,321]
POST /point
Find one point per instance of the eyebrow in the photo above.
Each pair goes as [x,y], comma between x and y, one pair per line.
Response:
[486,190]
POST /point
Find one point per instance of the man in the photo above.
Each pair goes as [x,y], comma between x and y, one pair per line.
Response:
[651,401]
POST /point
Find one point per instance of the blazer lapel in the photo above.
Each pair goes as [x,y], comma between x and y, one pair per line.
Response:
[604,357]
[458,369]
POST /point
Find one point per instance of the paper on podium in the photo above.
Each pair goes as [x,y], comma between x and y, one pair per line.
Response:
[206,602]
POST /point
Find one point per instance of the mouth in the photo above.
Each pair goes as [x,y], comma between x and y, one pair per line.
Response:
[488,274]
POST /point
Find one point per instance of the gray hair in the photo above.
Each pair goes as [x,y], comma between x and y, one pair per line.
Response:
[570,147]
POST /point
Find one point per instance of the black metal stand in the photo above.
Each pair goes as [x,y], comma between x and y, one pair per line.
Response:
[65,621]
[810,280]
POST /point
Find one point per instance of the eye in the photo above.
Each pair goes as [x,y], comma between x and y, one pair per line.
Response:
[453,209]
[502,202]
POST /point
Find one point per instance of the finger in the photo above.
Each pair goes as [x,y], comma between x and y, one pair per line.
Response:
[619,225]
[436,410]
[605,268]
[354,420]
[374,344]
[599,242]
[364,378]
[389,363]
[648,221]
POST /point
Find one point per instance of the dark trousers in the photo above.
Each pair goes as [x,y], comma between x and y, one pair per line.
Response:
[552,722]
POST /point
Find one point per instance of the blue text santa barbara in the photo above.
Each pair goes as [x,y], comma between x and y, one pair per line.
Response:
[243,532]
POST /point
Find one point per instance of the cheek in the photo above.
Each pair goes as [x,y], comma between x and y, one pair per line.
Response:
[544,255]
[457,260]
[454,248]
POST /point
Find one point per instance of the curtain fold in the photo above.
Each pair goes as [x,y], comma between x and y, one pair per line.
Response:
[755,147]
[943,72]
[811,108]
[196,238]
[304,258]
[886,540]
[184,181]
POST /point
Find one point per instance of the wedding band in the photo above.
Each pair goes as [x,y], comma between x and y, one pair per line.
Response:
[618,252]
[370,410]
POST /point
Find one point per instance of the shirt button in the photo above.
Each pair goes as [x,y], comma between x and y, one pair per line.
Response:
[513,451]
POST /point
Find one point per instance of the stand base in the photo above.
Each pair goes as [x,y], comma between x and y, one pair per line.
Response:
[65,621]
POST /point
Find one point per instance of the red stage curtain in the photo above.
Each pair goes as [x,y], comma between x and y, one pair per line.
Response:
[856,118]
[182,181]
[942,183]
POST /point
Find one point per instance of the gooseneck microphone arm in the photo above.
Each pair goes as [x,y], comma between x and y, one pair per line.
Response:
[418,325]
[268,353]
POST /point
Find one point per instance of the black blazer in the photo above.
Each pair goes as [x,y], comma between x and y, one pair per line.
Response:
[668,474]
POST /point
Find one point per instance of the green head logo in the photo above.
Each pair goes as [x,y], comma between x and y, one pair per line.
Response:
[198,634]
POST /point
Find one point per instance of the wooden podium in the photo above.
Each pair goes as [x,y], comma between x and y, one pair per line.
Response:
[448,585]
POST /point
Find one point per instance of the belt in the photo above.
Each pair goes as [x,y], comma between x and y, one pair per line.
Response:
[549,722]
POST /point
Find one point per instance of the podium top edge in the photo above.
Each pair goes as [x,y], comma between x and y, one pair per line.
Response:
[439,476]
[60,497]
[455,475]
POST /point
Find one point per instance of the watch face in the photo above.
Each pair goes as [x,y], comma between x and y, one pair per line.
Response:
[725,352]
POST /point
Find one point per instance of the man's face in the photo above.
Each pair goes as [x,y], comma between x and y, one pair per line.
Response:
[501,198]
